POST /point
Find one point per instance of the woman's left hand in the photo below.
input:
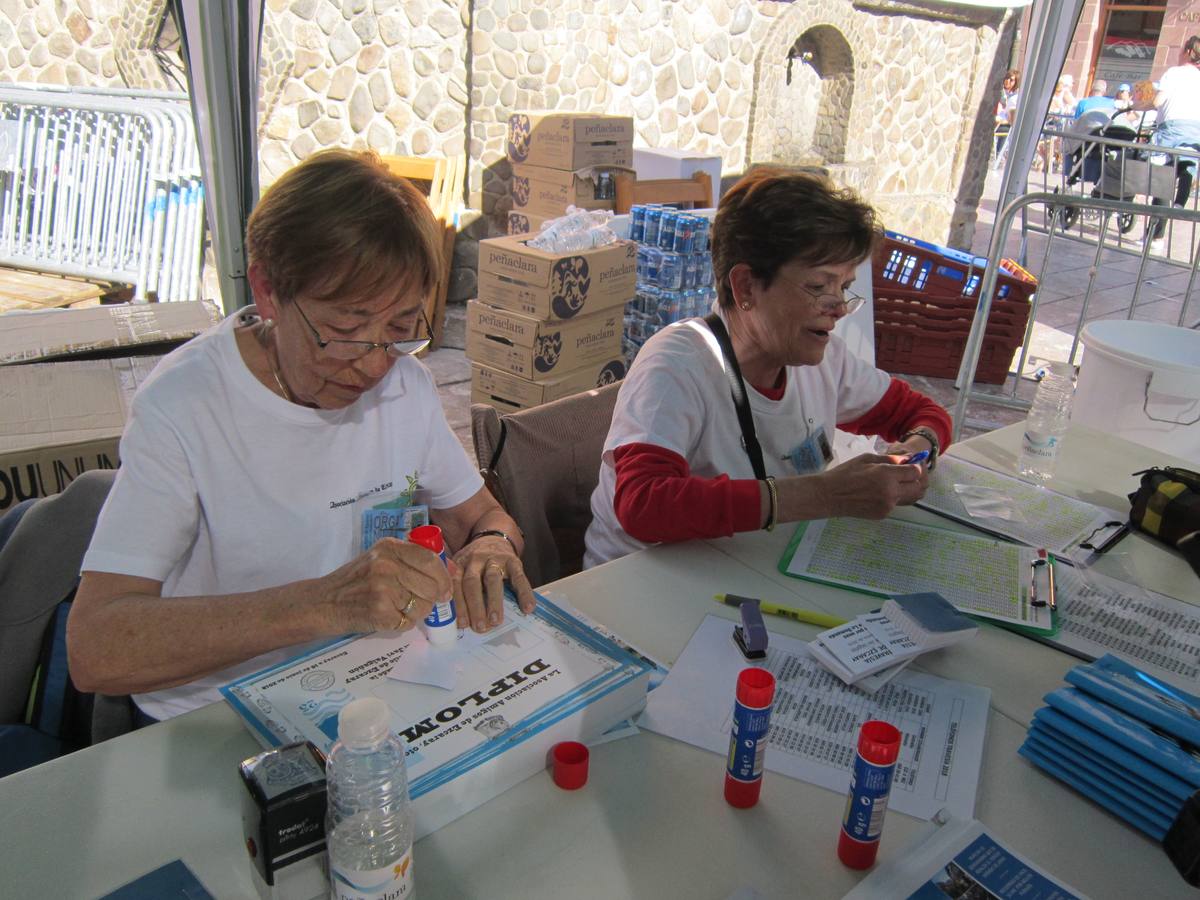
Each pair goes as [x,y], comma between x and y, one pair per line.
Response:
[479,573]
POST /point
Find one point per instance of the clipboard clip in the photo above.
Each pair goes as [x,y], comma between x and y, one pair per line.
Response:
[1041,582]
[1110,533]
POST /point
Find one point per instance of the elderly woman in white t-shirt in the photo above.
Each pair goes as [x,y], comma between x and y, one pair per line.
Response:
[678,464]
[233,531]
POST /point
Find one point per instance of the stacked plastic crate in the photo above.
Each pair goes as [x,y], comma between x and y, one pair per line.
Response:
[674,271]
[925,301]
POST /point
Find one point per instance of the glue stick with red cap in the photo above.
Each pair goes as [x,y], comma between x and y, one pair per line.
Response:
[440,626]
[870,785]
[748,737]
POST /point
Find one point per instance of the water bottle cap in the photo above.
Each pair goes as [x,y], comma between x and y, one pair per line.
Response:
[363,723]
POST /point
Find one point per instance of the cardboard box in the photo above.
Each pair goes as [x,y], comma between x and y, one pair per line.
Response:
[511,392]
[528,223]
[550,285]
[539,350]
[102,330]
[548,192]
[570,140]
[60,419]
[666,162]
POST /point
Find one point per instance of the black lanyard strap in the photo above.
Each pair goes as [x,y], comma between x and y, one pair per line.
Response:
[737,388]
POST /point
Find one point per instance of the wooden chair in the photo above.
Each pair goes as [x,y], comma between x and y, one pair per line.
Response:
[442,179]
[543,464]
[696,190]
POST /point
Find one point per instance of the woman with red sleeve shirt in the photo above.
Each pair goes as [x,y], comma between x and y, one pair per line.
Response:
[785,248]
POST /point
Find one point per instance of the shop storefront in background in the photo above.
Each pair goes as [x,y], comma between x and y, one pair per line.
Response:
[1127,40]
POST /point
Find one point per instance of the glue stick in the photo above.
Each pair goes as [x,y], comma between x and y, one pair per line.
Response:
[748,737]
[440,627]
[870,785]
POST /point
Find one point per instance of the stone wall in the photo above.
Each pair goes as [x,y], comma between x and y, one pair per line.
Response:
[884,92]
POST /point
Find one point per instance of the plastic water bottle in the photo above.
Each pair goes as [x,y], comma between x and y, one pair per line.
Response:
[369,826]
[1046,423]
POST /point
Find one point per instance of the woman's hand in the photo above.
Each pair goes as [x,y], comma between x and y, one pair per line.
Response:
[871,486]
[391,587]
[479,572]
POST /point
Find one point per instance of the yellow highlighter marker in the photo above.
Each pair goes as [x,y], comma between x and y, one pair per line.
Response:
[808,616]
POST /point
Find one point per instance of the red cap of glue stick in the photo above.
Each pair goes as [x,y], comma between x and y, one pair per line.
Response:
[878,750]
[570,765]
[429,537]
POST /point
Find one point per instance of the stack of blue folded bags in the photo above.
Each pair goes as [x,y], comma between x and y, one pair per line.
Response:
[1124,739]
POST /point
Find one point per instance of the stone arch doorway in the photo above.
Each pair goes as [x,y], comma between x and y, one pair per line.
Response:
[818,92]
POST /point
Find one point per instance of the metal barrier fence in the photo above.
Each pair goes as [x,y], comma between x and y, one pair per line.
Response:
[1054,209]
[102,184]
[1095,157]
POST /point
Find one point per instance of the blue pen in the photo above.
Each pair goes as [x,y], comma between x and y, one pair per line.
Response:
[919,457]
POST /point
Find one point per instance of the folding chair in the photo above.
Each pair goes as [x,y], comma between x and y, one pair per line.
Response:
[544,463]
[445,179]
[39,568]
[696,190]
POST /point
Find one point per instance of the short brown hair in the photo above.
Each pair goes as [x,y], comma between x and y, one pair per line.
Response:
[772,217]
[341,224]
[1013,75]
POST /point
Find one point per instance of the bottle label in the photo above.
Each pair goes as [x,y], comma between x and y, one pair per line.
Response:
[441,615]
[1043,446]
[748,742]
[870,786]
[394,882]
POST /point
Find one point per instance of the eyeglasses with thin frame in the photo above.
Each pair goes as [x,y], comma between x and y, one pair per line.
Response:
[829,302]
[340,348]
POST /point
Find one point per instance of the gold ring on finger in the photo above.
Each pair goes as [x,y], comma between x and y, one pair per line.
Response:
[408,607]
[494,565]
[403,622]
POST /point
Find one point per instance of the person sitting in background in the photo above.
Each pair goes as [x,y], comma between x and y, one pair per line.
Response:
[1097,99]
[229,536]
[785,249]
[1126,115]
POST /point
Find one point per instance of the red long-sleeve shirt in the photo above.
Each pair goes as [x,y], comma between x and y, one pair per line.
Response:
[657,499]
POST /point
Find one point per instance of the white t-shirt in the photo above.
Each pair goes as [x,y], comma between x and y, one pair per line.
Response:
[1180,87]
[225,487]
[676,396]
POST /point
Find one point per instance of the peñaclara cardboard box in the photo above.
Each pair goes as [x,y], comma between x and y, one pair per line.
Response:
[569,140]
[60,419]
[119,329]
[548,192]
[539,350]
[550,285]
[509,392]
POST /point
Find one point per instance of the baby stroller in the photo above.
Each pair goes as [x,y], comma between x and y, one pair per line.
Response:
[1116,173]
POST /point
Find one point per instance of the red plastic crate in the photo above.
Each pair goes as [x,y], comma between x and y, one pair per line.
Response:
[907,264]
[924,335]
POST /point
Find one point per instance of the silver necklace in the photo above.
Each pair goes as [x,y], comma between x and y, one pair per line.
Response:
[287,395]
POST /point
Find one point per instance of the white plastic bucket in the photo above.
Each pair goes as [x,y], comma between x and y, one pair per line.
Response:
[1141,381]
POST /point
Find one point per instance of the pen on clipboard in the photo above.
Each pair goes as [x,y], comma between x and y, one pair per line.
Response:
[1041,583]
[808,616]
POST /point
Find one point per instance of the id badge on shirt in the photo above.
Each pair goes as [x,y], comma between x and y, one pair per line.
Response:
[813,454]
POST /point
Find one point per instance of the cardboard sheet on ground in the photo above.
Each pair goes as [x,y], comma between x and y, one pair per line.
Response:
[815,721]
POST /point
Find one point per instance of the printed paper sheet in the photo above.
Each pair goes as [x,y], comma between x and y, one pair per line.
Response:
[1154,632]
[530,669]
[815,720]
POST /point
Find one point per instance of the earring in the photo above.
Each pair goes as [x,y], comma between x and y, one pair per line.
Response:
[746,306]
[268,324]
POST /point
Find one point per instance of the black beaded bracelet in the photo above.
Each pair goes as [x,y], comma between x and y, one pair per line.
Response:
[493,532]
